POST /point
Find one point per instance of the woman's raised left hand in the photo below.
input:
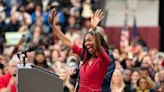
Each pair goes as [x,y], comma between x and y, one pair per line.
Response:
[96,18]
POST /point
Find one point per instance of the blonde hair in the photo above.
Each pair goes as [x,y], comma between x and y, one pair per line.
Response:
[67,80]
[122,84]
[150,82]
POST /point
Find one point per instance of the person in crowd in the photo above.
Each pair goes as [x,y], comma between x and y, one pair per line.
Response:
[127,76]
[143,85]
[14,24]
[55,56]
[74,19]
[72,34]
[94,54]
[65,76]
[161,75]
[72,62]
[129,63]
[144,71]
[1,69]
[117,82]
[37,35]
[37,13]
[8,81]
[40,59]
[156,81]
[134,78]
[161,89]
[140,52]
[39,22]
[148,62]
[3,25]
[2,40]
[30,57]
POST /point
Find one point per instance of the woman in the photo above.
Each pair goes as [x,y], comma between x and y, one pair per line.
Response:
[40,59]
[8,81]
[117,83]
[161,88]
[65,76]
[143,85]
[93,53]
[134,77]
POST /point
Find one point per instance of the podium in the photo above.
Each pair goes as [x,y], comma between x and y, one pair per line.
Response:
[35,79]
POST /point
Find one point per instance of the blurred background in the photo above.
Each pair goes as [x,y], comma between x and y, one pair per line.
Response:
[134,30]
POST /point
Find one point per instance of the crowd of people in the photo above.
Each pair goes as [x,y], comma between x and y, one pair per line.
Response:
[136,69]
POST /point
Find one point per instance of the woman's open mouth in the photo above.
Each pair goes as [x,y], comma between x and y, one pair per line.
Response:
[90,49]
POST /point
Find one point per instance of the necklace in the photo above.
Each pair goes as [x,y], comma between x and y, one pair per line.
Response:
[90,62]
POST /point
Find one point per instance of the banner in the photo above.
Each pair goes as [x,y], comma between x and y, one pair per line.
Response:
[12,38]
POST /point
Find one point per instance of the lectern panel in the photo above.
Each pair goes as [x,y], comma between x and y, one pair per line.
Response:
[38,80]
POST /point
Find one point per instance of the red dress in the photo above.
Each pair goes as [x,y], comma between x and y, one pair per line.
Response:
[92,75]
[4,81]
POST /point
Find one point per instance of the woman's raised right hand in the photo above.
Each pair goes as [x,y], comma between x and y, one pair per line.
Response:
[51,16]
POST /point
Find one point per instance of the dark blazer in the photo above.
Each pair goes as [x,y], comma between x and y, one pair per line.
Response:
[108,76]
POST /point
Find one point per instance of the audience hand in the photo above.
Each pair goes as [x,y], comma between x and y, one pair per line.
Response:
[51,16]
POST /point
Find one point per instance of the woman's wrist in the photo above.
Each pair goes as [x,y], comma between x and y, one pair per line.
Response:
[92,29]
[95,30]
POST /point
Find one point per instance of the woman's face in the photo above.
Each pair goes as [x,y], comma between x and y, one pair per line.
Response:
[37,31]
[38,8]
[135,76]
[142,84]
[156,78]
[55,55]
[62,74]
[31,56]
[89,43]
[39,22]
[71,20]
[40,58]
[116,53]
[147,61]
[116,78]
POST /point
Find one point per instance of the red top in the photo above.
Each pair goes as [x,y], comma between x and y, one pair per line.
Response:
[4,81]
[92,75]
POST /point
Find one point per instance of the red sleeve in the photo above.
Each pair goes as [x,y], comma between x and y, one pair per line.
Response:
[2,83]
[4,80]
[103,55]
[76,49]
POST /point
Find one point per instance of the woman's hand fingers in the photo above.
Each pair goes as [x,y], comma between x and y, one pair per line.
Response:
[101,15]
[51,16]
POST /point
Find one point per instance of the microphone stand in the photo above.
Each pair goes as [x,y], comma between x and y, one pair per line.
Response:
[24,57]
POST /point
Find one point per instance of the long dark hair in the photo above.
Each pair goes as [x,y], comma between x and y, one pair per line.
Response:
[85,55]
[44,63]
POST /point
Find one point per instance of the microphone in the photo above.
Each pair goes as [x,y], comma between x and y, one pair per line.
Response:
[30,49]
[25,53]
[18,55]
